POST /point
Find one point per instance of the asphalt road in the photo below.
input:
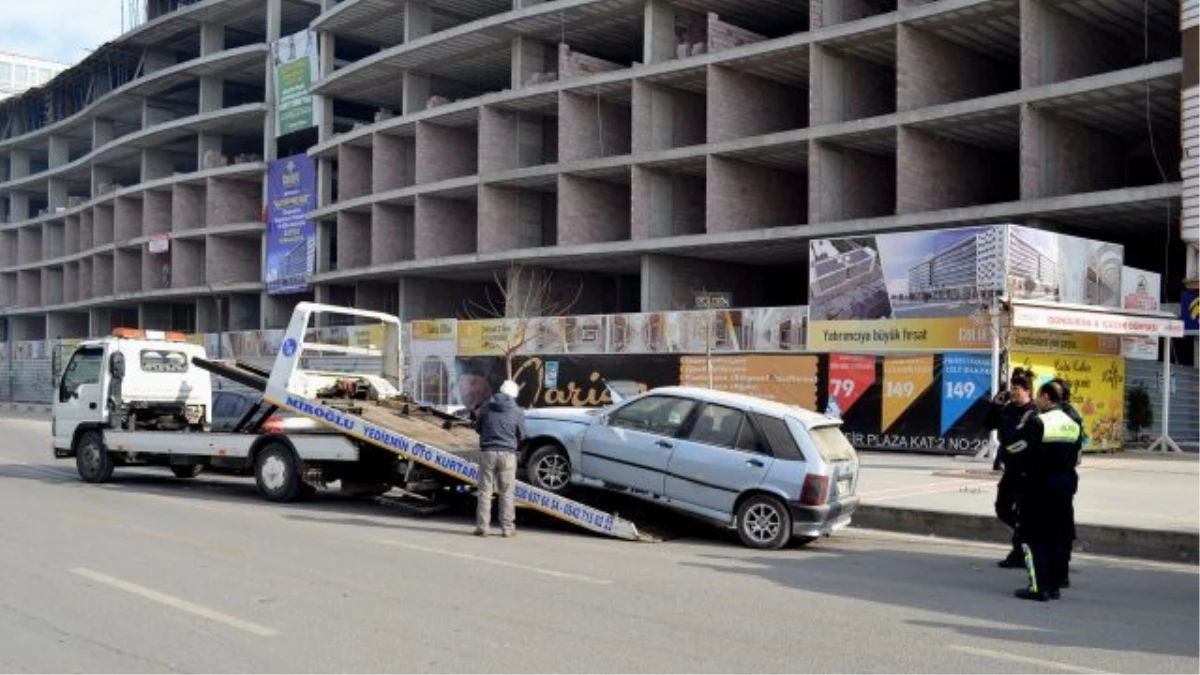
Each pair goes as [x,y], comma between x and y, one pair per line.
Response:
[153,573]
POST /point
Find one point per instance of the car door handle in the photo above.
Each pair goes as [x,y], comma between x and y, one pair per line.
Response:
[664,444]
[754,463]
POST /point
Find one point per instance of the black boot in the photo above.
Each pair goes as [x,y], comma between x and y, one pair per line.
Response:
[1015,560]
[1030,594]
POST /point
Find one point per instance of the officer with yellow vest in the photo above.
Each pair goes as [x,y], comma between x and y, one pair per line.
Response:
[1053,441]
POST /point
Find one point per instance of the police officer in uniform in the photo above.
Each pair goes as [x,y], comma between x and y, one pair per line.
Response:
[1009,411]
[1071,412]
[1053,442]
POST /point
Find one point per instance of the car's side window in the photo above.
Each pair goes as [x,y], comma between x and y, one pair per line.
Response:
[748,439]
[717,425]
[661,415]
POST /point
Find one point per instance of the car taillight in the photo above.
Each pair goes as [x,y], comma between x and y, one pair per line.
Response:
[815,490]
[273,425]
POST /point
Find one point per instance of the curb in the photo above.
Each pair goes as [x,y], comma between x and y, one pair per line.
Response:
[25,408]
[1128,542]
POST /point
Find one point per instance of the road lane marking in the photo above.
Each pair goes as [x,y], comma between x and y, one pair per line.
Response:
[176,603]
[1028,660]
[496,561]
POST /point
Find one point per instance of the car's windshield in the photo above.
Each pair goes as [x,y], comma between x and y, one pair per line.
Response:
[831,443]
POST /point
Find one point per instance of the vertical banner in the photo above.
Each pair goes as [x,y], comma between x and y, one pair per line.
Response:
[966,382]
[1189,309]
[850,376]
[294,61]
[905,379]
[1140,291]
[291,236]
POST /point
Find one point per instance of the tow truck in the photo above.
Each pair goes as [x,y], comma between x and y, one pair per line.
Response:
[144,398]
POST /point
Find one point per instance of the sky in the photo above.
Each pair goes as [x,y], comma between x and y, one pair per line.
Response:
[59,30]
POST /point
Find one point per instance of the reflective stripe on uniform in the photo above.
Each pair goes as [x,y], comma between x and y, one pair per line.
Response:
[1014,448]
[1058,427]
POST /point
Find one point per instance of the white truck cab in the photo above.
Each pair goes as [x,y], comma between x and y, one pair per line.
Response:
[132,380]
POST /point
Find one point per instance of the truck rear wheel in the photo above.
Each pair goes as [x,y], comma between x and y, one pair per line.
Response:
[277,473]
[92,460]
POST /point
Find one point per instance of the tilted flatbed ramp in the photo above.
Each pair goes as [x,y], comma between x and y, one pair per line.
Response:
[456,466]
[414,435]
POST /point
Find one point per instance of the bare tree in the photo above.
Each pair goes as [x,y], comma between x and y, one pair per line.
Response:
[520,299]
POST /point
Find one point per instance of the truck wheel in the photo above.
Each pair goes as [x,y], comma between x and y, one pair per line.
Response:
[763,522]
[187,470]
[277,473]
[549,468]
[92,460]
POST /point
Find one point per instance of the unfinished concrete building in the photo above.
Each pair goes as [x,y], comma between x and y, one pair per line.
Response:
[646,151]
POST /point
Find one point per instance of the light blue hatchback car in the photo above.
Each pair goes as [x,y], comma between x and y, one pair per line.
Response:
[768,470]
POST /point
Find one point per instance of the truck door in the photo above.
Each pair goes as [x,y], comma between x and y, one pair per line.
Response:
[80,394]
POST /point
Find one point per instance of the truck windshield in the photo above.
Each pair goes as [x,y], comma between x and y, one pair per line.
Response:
[84,368]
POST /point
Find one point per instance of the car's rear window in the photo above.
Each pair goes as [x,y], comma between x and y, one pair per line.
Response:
[832,443]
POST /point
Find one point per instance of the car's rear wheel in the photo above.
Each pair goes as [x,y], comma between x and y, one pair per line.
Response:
[549,468]
[763,522]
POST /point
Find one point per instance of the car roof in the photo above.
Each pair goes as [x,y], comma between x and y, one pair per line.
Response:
[753,403]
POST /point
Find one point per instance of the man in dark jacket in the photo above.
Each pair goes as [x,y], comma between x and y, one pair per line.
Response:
[1009,412]
[1053,440]
[501,426]
[1074,415]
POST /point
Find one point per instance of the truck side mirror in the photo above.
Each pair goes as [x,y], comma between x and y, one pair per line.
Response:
[116,365]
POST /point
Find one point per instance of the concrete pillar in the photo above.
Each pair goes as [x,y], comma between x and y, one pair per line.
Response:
[102,180]
[18,206]
[672,282]
[418,20]
[415,90]
[326,46]
[660,32]
[102,132]
[274,10]
[437,298]
[212,38]
[156,164]
[60,151]
[18,163]
[528,57]
[56,194]
[212,94]
[209,145]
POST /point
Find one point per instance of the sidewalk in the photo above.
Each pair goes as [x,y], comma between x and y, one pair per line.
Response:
[1132,503]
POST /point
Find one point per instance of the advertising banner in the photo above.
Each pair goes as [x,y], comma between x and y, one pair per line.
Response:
[561,380]
[1189,308]
[291,236]
[1140,291]
[485,337]
[1059,268]
[905,380]
[294,61]
[1063,342]
[850,376]
[966,384]
[1097,391]
[1051,318]
[775,329]
[792,380]
[913,291]
[431,357]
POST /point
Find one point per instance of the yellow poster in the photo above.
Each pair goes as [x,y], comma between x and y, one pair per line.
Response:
[1097,391]
[433,330]
[789,379]
[905,379]
[926,334]
[1034,340]
[485,337]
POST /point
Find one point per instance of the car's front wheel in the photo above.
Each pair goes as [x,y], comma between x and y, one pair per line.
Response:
[549,469]
[763,522]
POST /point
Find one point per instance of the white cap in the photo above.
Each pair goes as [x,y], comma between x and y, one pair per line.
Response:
[510,388]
